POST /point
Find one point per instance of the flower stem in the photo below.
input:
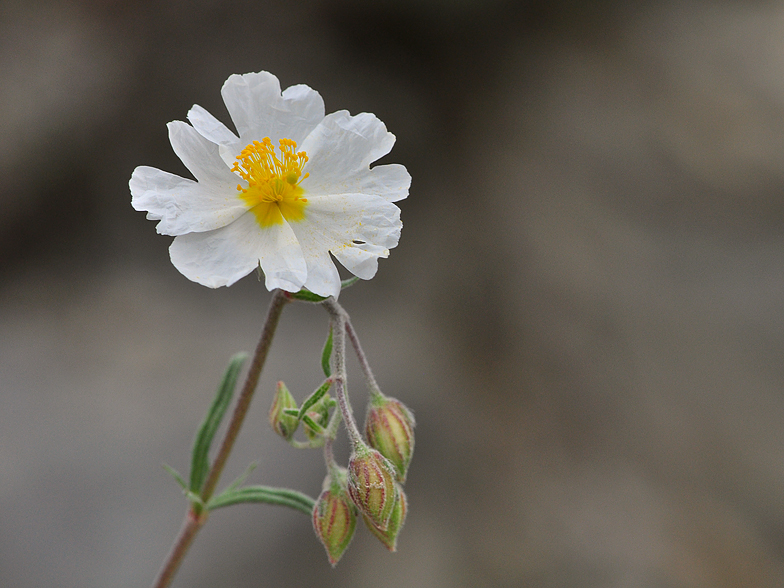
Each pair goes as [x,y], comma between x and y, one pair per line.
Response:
[195,518]
[363,362]
[330,434]
[278,302]
[190,526]
[340,320]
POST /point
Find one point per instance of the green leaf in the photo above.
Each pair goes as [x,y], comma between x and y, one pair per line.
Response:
[308,296]
[314,398]
[194,498]
[176,475]
[327,353]
[242,477]
[200,464]
[313,424]
[265,494]
[348,283]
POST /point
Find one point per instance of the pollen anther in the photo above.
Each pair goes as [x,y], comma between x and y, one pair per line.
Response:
[273,192]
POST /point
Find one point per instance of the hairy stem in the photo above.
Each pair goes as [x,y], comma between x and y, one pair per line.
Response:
[190,526]
[363,362]
[339,320]
[196,517]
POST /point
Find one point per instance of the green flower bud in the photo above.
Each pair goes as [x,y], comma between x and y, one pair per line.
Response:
[389,427]
[283,424]
[320,415]
[334,518]
[389,537]
[371,485]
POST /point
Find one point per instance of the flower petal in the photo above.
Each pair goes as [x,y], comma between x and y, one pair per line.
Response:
[259,109]
[182,205]
[210,127]
[323,276]
[200,156]
[340,151]
[221,257]
[360,262]
[343,222]
[390,181]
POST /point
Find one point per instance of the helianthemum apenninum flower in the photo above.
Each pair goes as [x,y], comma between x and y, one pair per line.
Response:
[295,186]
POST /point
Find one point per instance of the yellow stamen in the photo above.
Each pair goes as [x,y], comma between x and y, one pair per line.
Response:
[273,191]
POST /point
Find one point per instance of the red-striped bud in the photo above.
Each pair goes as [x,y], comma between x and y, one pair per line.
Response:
[334,519]
[283,424]
[371,485]
[389,537]
[389,427]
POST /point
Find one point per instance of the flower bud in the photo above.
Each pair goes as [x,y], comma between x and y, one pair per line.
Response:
[320,415]
[334,519]
[282,423]
[389,537]
[371,485]
[389,427]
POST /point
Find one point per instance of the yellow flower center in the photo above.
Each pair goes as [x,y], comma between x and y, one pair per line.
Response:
[273,191]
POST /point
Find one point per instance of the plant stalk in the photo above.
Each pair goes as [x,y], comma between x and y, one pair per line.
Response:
[196,517]
[340,319]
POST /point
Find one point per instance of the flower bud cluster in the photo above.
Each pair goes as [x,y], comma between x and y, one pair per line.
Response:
[372,484]
[376,471]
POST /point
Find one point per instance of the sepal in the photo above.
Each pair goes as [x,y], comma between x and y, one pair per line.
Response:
[389,536]
[318,415]
[307,296]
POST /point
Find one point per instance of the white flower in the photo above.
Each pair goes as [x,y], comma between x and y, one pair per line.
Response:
[293,188]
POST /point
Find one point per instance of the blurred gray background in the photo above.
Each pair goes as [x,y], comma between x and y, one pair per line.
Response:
[585,312]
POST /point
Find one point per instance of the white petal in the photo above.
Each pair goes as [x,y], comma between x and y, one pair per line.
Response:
[390,181]
[200,156]
[335,223]
[210,127]
[323,276]
[359,262]
[259,109]
[221,257]
[340,151]
[182,205]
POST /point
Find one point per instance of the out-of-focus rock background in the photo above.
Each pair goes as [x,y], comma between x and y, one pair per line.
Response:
[586,310]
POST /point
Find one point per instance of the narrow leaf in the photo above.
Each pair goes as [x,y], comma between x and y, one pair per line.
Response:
[318,429]
[194,498]
[264,494]
[326,354]
[242,477]
[314,398]
[201,446]
[176,475]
